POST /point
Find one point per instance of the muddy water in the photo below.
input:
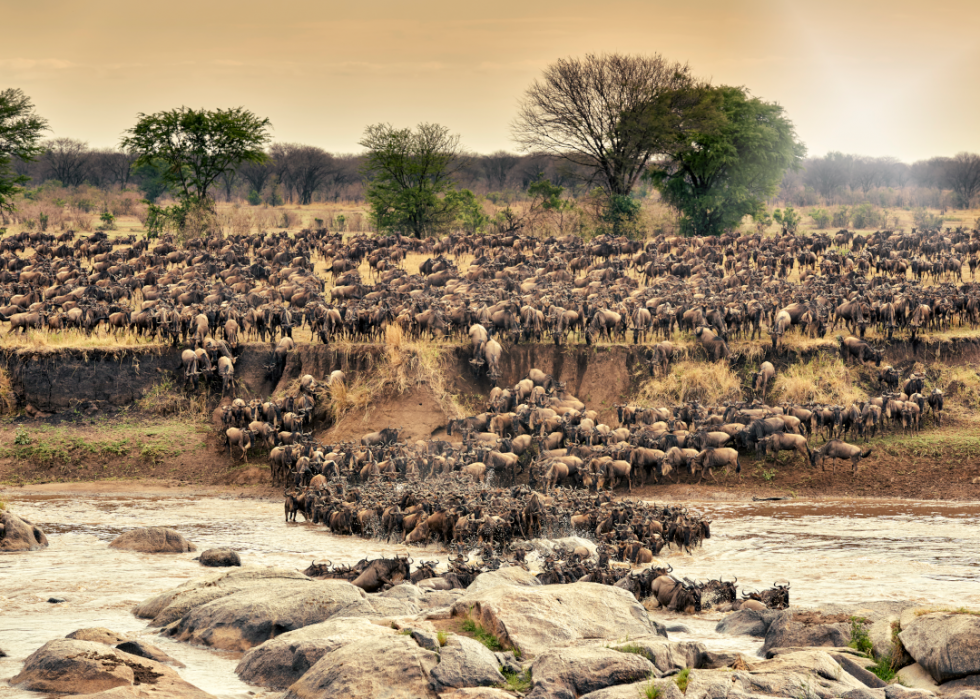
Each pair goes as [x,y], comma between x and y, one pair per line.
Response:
[841,552]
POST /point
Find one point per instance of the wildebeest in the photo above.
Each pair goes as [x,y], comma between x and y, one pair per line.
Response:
[836,449]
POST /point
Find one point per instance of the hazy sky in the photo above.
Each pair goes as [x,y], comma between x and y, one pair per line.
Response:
[875,77]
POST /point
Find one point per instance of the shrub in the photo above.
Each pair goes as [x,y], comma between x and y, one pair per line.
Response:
[519,682]
[821,218]
[254,198]
[926,220]
[860,641]
[842,217]
[866,215]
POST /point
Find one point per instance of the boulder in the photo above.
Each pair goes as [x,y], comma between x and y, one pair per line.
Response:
[666,656]
[786,631]
[885,643]
[387,668]
[946,644]
[246,618]
[278,663]
[478,693]
[18,534]
[169,606]
[968,683]
[69,666]
[464,662]
[405,591]
[152,540]
[220,558]
[915,676]
[961,694]
[387,607]
[143,649]
[665,689]
[573,672]
[537,618]
[514,575]
[783,676]
[98,634]
[857,670]
[747,622]
[864,694]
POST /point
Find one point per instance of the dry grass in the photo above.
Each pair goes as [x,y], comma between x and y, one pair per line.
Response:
[72,339]
[706,382]
[167,399]
[8,399]
[823,379]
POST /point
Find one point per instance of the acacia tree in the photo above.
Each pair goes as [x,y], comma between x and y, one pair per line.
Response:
[194,147]
[727,172]
[20,138]
[411,174]
[609,114]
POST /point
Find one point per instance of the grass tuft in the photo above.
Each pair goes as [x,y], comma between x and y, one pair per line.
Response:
[682,678]
[443,638]
[650,691]
[482,635]
[516,681]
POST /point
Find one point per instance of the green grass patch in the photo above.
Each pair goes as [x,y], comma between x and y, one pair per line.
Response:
[516,681]
[443,638]
[884,669]
[682,678]
[482,635]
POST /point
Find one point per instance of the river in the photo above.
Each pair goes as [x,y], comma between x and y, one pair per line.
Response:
[842,551]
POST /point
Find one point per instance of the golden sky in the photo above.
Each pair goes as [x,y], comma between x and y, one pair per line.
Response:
[875,77]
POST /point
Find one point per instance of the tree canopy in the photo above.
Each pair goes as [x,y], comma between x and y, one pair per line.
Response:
[609,114]
[20,137]
[728,170]
[411,174]
[193,148]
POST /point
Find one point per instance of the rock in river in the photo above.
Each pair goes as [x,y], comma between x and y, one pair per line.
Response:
[220,558]
[537,618]
[153,540]
[68,666]
[18,534]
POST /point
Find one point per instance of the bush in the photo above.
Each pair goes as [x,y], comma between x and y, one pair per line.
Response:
[821,218]
[926,220]
[789,219]
[254,198]
[842,217]
[865,215]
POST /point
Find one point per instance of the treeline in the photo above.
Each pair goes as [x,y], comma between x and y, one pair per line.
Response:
[293,173]
[844,179]
[304,174]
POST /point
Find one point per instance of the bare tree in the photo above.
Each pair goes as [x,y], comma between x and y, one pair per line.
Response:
[256,174]
[305,169]
[229,178]
[65,160]
[107,167]
[961,173]
[496,168]
[609,114]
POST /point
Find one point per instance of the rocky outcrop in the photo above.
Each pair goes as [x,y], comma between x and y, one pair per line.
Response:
[806,630]
[514,576]
[748,622]
[535,619]
[394,667]
[666,656]
[252,616]
[152,540]
[945,644]
[280,662]
[19,534]
[220,558]
[572,672]
[662,689]
[464,662]
[69,666]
